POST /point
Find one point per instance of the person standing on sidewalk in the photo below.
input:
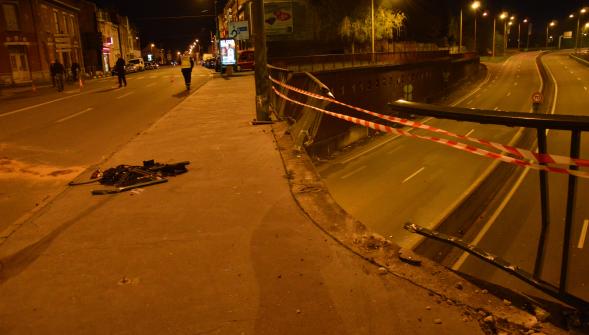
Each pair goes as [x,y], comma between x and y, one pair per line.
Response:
[120,69]
[59,72]
[75,71]
[186,65]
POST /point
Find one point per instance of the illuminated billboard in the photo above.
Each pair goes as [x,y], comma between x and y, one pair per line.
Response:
[227,47]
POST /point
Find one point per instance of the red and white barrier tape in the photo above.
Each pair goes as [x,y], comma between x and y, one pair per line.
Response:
[452,144]
[519,152]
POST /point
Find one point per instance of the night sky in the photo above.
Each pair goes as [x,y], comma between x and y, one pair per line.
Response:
[155,26]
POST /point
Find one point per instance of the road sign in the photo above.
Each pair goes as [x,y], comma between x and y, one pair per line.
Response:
[537,98]
[239,30]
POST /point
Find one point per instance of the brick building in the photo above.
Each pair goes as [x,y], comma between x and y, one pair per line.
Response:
[35,32]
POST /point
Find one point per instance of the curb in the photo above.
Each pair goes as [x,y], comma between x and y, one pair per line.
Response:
[312,196]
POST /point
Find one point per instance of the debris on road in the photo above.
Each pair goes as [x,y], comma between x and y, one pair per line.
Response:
[128,177]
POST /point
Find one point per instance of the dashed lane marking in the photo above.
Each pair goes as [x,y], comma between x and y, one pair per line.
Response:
[353,172]
[150,85]
[413,175]
[515,84]
[583,235]
[74,115]
[470,132]
[125,95]
[508,94]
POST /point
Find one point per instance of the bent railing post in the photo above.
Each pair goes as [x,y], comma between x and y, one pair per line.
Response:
[570,211]
[544,206]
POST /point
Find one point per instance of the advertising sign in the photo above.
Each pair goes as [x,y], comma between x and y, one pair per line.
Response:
[278,18]
[227,47]
[568,34]
[239,30]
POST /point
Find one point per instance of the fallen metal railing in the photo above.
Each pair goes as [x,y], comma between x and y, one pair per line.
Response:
[541,123]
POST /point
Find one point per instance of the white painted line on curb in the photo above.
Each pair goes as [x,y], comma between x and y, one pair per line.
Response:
[125,95]
[470,132]
[74,115]
[583,235]
[353,172]
[413,175]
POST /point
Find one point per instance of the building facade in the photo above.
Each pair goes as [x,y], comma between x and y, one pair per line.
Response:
[33,33]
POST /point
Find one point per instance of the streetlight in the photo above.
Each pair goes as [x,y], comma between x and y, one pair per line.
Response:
[372,26]
[503,16]
[585,27]
[475,6]
[581,12]
[550,24]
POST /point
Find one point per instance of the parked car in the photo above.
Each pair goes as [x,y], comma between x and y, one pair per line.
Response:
[245,60]
[138,63]
[151,65]
[210,63]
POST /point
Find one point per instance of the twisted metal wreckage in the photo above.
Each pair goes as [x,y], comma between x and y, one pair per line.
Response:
[127,177]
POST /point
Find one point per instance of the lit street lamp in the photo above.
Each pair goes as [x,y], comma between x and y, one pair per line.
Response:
[581,12]
[503,16]
[550,24]
[475,6]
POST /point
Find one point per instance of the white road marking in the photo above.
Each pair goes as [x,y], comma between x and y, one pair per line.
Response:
[125,95]
[470,132]
[585,88]
[470,102]
[496,108]
[353,172]
[413,175]
[492,219]
[517,75]
[141,77]
[71,91]
[74,115]
[35,106]
[508,94]
[395,149]
[571,72]
[515,84]
[583,235]
[152,77]
[578,78]
[150,85]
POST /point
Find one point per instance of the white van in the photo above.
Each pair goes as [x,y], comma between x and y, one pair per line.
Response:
[137,63]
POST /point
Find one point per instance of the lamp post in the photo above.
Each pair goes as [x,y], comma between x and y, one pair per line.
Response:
[509,24]
[503,16]
[584,28]
[550,24]
[460,32]
[475,6]
[581,12]
[372,26]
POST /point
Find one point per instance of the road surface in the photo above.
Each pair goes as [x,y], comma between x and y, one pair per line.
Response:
[47,138]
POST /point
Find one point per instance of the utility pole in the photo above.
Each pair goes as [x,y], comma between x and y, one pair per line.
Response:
[261,61]
[372,28]
[494,22]
[460,43]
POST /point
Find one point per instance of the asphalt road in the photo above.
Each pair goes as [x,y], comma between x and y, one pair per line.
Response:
[514,232]
[397,179]
[48,138]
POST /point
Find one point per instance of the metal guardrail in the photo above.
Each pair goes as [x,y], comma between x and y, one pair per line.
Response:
[541,123]
[337,61]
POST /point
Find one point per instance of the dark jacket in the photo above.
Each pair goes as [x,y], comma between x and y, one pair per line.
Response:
[58,68]
[120,65]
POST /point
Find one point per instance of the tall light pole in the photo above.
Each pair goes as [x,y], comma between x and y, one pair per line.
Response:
[460,39]
[581,12]
[550,24]
[475,6]
[584,28]
[503,16]
[372,26]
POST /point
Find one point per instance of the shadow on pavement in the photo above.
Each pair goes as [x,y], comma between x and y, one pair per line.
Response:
[182,94]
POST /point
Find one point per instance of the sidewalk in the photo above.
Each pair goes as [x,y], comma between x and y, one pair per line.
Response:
[222,249]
